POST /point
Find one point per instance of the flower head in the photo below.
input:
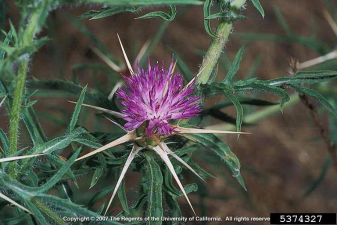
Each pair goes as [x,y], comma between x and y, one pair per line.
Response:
[154,97]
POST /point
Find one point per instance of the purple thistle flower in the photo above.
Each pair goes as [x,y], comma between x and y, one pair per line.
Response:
[155,96]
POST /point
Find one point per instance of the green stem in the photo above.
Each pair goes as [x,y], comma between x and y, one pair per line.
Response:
[35,21]
[215,49]
[15,114]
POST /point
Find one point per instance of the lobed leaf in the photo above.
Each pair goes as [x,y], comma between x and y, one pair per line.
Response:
[222,150]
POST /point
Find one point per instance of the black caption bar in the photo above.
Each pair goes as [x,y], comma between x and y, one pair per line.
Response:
[302,218]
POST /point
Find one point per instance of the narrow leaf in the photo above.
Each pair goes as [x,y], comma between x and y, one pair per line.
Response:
[207,22]
[316,96]
[94,14]
[235,67]
[77,110]
[258,6]
[160,14]
[239,109]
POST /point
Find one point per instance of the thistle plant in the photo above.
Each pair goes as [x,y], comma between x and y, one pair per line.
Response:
[156,115]
[152,99]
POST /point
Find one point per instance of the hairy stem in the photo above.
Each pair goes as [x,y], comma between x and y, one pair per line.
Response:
[15,114]
[34,24]
[215,49]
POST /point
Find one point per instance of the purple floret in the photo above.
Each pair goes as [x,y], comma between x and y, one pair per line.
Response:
[157,96]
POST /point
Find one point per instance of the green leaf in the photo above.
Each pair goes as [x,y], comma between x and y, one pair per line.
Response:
[258,6]
[60,163]
[308,77]
[52,181]
[203,173]
[77,110]
[121,193]
[173,205]
[5,142]
[6,41]
[48,212]
[70,207]
[275,90]
[316,96]
[238,107]
[222,150]
[235,67]
[95,14]
[36,212]
[59,142]
[155,179]
[160,14]
[34,127]
[207,22]
[168,185]
[136,209]
[98,173]
[100,194]
[215,88]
